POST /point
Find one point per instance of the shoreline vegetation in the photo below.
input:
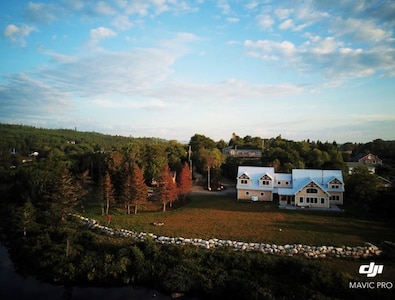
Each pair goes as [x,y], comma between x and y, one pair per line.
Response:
[47,175]
[70,254]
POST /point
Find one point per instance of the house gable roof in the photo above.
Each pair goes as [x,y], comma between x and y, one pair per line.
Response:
[254,173]
[299,179]
[266,177]
[311,182]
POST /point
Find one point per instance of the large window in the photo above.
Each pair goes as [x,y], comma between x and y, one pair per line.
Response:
[311,200]
[311,191]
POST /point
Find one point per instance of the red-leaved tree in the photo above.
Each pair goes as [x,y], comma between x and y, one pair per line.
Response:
[138,187]
[167,187]
[184,181]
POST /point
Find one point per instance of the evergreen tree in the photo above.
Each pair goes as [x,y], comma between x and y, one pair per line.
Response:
[65,193]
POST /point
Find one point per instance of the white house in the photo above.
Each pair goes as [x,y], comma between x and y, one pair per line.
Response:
[304,187]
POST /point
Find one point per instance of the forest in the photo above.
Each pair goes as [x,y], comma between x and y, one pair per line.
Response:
[47,174]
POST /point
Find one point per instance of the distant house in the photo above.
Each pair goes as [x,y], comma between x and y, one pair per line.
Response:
[369,160]
[304,187]
[242,153]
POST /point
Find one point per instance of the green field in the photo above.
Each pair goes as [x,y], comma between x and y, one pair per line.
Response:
[224,218]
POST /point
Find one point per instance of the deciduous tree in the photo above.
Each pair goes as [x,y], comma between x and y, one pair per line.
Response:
[184,183]
[167,187]
[138,188]
[108,190]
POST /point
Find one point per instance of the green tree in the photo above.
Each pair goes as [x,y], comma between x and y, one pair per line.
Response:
[362,187]
[64,194]
[212,159]
[28,218]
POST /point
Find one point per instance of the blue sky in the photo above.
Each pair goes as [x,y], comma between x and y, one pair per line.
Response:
[322,70]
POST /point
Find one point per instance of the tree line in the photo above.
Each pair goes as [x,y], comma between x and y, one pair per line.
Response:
[118,171]
[38,196]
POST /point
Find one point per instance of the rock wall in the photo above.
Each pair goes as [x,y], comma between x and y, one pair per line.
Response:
[368,250]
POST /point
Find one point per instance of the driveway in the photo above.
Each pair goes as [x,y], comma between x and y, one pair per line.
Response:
[198,189]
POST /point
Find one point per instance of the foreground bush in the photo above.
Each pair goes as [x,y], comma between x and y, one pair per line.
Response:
[73,255]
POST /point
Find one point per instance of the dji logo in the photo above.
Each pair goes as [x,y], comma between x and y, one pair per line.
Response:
[371,270]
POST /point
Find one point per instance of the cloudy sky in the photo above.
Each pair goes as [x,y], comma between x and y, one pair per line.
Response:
[172,68]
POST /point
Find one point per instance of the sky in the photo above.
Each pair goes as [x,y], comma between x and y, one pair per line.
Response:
[318,70]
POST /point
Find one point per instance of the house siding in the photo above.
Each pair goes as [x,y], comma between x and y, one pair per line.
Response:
[338,195]
[305,195]
[246,194]
[304,187]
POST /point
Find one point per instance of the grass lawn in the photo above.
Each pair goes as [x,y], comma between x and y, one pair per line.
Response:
[222,217]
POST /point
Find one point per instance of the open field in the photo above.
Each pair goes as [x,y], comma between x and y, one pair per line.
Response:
[224,218]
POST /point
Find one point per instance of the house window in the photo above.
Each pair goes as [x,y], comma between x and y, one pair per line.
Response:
[247,193]
[279,182]
[262,193]
[301,199]
[307,200]
[311,191]
[322,200]
[244,181]
[265,182]
[286,182]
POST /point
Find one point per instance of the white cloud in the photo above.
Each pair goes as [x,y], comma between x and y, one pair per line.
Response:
[122,22]
[267,49]
[265,21]
[252,5]
[325,46]
[43,12]
[18,34]
[224,6]
[359,30]
[283,13]
[98,34]
[104,8]
[289,24]
[145,104]
[232,19]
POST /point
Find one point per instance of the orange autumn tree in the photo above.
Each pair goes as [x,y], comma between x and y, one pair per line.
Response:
[138,188]
[184,181]
[167,187]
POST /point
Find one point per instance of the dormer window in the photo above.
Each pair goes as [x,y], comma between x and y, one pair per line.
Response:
[311,191]
[244,181]
[265,180]
[335,184]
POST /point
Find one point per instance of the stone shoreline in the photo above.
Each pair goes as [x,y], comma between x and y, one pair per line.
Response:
[369,250]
